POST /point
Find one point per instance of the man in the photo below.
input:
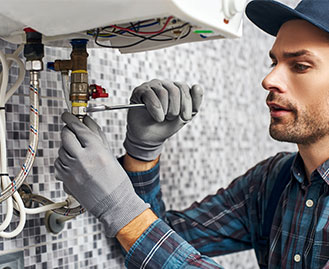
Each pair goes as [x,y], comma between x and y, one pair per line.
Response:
[286,223]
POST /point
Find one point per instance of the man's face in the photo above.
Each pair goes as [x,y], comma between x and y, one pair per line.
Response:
[298,84]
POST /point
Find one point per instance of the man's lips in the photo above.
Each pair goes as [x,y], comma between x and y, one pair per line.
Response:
[277,110]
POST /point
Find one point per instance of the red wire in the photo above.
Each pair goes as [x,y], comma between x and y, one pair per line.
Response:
[147,33]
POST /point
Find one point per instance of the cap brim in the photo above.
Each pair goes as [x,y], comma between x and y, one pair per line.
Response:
[270,15]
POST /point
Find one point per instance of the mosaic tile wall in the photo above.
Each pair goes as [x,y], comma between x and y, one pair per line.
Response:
[229,135]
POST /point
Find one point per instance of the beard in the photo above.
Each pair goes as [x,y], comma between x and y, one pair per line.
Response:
[305,126]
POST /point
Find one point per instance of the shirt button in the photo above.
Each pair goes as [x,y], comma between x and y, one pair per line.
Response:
[309,203]
[297,258]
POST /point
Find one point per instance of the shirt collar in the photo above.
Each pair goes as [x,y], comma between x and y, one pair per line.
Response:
[298,170]
[323,170]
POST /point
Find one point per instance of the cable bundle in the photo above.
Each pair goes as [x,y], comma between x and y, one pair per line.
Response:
[134,32]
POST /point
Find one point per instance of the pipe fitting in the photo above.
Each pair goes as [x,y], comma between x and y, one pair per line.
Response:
[79,87]
[63,65]
[79,109]
[33,49]
[34,65]
[53,222]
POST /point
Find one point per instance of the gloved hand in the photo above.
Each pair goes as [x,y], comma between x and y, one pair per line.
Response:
[169,106]
[93,175]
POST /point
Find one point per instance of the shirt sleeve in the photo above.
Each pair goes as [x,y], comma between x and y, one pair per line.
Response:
[147,186]
[225,222]
[161,247]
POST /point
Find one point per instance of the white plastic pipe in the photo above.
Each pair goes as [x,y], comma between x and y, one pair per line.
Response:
[5,77]
[45,208]
[33,140]
[20,78]
[3,148]
[22,219]
[66,89]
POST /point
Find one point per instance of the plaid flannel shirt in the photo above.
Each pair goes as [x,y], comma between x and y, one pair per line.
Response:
[231,221]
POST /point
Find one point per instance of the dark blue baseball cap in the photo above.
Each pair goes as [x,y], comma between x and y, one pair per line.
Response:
[269,15]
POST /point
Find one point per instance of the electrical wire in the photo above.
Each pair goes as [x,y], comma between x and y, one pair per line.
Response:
[144,38]
[133,27]
[133,36]
[168,39]
[145,33]
[103,35]
[137,34]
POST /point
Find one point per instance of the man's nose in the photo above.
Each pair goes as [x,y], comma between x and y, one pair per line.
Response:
[275,80]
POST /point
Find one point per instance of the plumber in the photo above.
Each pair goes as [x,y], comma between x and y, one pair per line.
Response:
[279,208]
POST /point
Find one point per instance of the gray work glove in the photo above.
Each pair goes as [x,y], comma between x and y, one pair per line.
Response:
[169,106]
[93,175]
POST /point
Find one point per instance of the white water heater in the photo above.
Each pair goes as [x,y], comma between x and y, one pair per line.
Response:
[128,25]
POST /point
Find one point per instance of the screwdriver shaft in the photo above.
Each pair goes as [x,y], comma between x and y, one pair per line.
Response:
[104,107]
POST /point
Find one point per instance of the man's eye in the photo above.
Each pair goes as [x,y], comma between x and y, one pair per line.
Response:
[301,67]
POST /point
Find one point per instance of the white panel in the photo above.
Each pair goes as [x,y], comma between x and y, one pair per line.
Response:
[210,14]
[8,25]
[60,21]
[70,16]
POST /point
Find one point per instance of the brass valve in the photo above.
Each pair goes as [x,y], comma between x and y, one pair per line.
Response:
[79,87]
[80,91]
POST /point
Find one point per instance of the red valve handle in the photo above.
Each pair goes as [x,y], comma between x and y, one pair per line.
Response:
[98,92]
[29,30]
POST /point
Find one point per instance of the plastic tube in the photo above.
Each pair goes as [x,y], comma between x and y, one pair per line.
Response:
[5,181]
[45,208]
[22,219]
[17,52]
[9,212]
[20,78]
[5,76]
[3,153]
[65,209]
[3,147]
[3,169]
[66,89]
[33,139]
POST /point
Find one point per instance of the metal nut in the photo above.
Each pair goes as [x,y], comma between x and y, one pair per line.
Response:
[34,65]
[79,78]
[79,88]
[79,110]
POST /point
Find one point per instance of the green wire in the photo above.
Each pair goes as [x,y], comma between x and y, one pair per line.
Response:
[203,31]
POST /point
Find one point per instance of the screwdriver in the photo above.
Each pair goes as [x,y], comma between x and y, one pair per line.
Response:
[104,107]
